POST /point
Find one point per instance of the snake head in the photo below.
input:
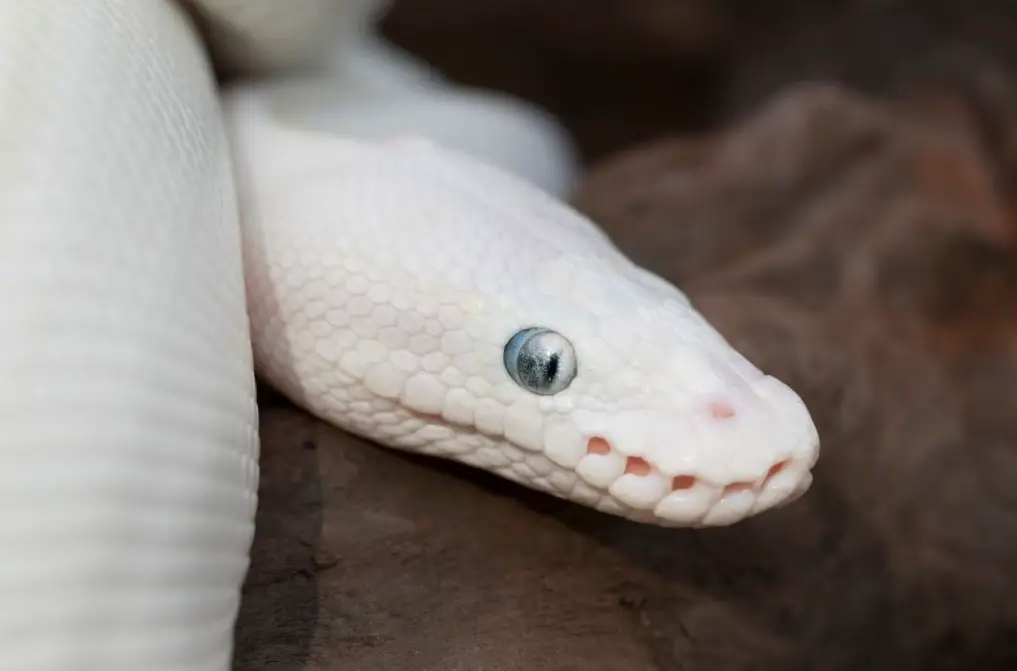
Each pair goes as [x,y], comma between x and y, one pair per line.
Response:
[436,305]
[659,418]
[642,407]
[613,390]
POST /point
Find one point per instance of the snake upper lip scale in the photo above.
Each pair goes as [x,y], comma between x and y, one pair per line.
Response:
[163,238]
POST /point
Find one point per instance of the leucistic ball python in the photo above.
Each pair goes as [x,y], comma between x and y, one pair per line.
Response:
[391,252]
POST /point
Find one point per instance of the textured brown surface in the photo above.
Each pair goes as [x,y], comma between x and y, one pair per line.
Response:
[366,561]
[859,251]
[863,253]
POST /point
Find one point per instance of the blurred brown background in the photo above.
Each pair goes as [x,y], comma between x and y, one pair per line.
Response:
[619,72]
[833,184]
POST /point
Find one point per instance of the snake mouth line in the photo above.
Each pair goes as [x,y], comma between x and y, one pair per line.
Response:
[637,490]
[641,467]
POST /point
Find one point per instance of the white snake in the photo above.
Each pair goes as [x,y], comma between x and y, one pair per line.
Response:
[402,291]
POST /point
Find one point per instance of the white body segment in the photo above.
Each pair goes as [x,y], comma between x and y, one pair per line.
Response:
[384,238]
[128,427]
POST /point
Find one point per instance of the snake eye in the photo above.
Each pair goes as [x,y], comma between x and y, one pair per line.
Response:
[540,360]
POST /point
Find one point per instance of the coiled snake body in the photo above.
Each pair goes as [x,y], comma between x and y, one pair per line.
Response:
[161,240]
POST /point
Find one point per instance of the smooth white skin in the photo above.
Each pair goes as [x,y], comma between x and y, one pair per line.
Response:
[128,425]
[383,277]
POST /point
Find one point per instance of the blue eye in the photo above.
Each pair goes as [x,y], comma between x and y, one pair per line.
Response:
[540,360]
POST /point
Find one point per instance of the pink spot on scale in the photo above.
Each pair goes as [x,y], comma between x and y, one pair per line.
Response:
[720,410]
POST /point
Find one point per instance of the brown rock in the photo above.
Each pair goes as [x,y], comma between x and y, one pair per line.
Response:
[861,253]
[366,560]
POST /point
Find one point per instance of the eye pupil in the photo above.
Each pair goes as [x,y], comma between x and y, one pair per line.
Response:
[552,366]
[540,360]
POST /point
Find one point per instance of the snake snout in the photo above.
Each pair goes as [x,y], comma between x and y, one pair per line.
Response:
[722,459]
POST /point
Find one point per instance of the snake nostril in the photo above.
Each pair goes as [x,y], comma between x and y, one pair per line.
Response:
[680,482]
[637,466]
[720,410]
[598,445]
